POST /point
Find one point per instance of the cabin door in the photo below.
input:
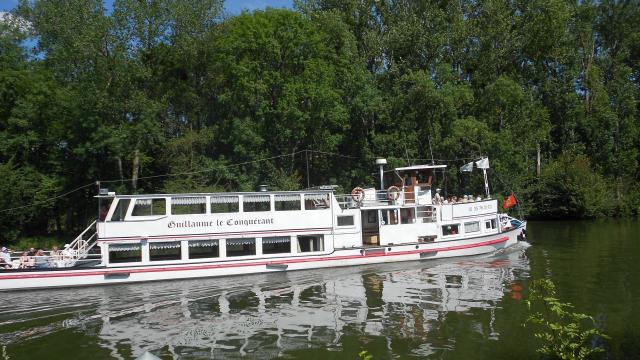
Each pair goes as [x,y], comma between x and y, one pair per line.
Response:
[370,227]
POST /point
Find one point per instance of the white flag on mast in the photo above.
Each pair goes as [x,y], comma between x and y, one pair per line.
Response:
[467,167]
[483,163]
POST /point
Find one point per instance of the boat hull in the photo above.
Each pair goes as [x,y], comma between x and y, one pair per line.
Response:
[55,278]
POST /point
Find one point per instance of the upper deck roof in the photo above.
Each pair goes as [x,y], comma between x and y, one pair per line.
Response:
[420,167]
[131,196]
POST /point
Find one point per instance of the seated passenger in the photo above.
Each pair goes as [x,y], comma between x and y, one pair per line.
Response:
[454,200]
[55,254]
[26,261]
[4,264]
[5,257]
[478,198]
[41,261]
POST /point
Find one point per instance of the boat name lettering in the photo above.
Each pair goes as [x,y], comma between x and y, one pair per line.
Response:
[218,222]
[480,207]
[231,222]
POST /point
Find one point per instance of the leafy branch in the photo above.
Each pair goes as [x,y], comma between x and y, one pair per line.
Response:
[565,334]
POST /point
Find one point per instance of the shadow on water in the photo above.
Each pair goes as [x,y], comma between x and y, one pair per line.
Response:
[404,309]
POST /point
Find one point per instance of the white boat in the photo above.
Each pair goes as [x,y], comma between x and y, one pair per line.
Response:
[179,236]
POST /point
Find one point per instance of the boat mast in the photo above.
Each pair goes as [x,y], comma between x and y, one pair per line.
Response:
[486,183]
[381,163]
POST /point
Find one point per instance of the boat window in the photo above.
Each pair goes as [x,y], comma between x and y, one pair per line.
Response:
[287,202]
[470,227]
[276,245]
[453,229]
[345,220]
[310,243]
[124,253]
[252,203]
[188,205]
[241,247]
[200,249]
[105,205]
[389,216]
[224,204]
[149,207]
[426,213]
[159,251]
[490,224]
[316,201]
[121,210]
[407,216]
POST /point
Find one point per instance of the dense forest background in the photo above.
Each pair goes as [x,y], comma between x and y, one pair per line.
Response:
[149,88]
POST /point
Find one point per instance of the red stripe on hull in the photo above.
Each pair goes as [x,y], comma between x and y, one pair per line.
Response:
[260,263]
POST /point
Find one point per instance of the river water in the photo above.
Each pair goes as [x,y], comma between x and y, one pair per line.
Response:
[465,308]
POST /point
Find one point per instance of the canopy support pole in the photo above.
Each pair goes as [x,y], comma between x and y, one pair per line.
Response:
[486,183]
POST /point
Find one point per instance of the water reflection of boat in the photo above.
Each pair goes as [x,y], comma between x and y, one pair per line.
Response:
[268,320]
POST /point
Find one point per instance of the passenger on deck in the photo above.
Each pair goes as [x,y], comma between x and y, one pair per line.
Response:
[41,261]
[437,199]
[5,258]
[26,261]
[55,254]
[478,198]
[5,255]
[464,199]
[454,200]
[32,252]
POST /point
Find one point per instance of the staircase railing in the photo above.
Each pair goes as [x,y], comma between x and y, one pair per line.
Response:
[80,247]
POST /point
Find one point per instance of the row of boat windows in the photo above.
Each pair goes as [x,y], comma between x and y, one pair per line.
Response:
[220,204]
[469,227]
[203,249]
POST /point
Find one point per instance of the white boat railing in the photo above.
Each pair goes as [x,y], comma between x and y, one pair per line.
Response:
[73,254]
[80,247]
[384,198]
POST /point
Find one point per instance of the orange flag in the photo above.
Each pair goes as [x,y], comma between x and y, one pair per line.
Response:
[509,201]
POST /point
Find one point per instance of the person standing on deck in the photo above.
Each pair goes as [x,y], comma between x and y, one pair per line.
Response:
[438,198]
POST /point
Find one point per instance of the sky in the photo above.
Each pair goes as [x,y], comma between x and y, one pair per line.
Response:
[231,6]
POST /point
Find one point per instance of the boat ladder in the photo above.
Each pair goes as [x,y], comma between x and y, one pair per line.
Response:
[78,251]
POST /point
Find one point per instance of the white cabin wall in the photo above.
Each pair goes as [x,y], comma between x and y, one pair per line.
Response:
[348,236]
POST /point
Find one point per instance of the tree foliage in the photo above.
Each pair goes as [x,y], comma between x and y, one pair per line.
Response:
[563,333]
[158,87]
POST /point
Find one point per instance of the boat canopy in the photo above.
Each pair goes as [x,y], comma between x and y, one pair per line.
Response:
[420,167]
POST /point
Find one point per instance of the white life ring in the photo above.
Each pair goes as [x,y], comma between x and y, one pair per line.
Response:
[393,193]
[357,194]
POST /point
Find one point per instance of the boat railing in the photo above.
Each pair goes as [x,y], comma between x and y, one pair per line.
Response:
[374,198]
[79,249]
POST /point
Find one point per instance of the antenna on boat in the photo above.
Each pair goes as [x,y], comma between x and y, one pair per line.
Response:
[99,199]
[306,152]
[433,162]
[381,163]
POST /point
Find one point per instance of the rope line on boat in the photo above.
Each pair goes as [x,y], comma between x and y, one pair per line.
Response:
[47,200]
[206,170]
[307,151]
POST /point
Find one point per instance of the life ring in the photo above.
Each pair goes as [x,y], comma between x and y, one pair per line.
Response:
[393,193]
[357,194]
